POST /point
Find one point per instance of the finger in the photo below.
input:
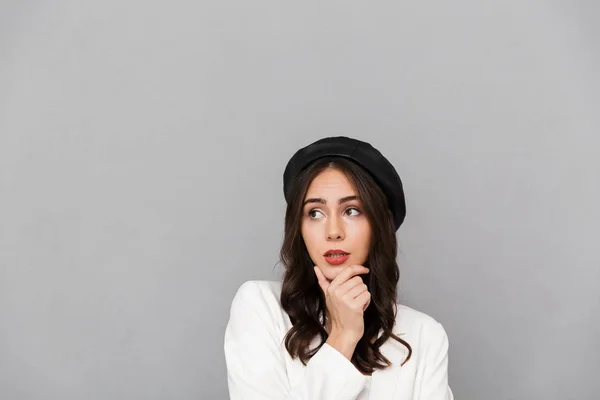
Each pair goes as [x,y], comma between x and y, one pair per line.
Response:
[348,273]
[362,301]
[349,284]
[356,291]
[368,302]
[321,279]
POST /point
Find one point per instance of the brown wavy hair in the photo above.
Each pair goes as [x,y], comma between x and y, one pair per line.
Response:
[301,296]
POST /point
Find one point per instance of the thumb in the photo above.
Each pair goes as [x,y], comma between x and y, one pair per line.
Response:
[321,279]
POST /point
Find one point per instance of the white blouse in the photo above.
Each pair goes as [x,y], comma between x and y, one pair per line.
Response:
[364,393]
[259,366]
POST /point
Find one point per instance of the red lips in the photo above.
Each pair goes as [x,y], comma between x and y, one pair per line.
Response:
[336,256]
[334,251]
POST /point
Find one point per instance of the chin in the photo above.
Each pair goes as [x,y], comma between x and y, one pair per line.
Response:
[331,271]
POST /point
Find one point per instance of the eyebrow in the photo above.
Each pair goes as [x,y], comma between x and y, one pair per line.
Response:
[322,201]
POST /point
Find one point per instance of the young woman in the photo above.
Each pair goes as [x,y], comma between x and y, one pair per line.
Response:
[332,328]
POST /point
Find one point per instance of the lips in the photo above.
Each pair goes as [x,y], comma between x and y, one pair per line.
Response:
[334,252]
[336,256]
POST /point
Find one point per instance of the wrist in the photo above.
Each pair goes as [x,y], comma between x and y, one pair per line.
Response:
[343,342]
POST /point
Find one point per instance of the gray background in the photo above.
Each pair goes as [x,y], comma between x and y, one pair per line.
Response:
[141,151]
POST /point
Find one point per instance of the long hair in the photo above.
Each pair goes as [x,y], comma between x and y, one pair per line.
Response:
[301,296]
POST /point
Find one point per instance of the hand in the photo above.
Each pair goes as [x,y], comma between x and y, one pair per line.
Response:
[347,297]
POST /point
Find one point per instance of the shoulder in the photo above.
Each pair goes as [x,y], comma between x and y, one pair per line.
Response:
[258,291]
[420,328]
[259,297]
[408,318]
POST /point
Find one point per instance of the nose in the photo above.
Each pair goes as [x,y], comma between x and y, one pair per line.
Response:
[335,228]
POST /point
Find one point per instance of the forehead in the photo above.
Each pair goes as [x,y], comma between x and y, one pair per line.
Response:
[330,183]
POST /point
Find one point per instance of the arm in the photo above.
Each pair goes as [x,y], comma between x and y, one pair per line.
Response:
[435,375]
[255,358]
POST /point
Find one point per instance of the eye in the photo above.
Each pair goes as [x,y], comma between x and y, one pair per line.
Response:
[349,211]
[312,213]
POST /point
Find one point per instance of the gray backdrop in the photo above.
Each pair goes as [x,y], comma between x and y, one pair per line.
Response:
[142,146]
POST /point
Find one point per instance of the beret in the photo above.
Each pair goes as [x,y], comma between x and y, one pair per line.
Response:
[362,154]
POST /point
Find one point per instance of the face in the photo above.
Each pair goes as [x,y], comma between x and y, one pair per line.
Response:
[332,219]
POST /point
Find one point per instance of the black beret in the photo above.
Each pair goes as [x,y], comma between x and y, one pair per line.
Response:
[361,153]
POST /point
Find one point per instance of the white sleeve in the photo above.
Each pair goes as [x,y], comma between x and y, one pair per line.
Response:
[435,375]
[256,368]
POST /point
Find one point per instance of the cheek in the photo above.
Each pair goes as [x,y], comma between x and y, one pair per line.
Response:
[362,242]
[367,237]
[361,234]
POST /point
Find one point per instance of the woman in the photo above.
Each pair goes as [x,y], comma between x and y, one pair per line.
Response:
[332,328]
